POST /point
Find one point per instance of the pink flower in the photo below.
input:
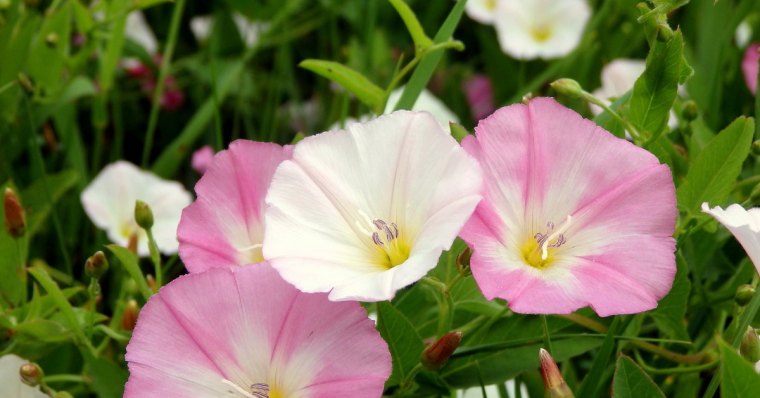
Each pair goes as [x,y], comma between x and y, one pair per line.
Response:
[479,95]
[247,333]
[571,216]
[750,65]
[224,227]
[202,159]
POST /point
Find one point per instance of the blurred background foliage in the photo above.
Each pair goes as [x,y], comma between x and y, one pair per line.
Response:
[68,107]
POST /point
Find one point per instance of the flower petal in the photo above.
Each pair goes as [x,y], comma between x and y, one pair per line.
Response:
[268,332]
[400,168]
[743,224]
[224,226]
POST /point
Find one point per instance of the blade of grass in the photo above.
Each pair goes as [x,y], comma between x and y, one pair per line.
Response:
[163,71]
[426,67]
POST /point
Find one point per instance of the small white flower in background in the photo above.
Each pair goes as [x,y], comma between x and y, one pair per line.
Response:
[529,29]
[426,101]
[11,385]
[618,77]
[110,198]
[744,225]
[481,10]
[743,34]
[139,31]
[491,391]
[249,31]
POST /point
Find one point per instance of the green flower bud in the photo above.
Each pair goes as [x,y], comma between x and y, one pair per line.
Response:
[31,374]
[567,87]
[143,215]
[690,110]
[96,265]
[750,345]
[744,294]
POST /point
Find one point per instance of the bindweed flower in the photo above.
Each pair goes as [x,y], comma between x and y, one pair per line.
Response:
[110,199]
[244,332]
[618,77]
[750,65]
[571,216]
[365,211]
[11,383]
[224,227]
[743,224]
[140,32]
[202,159]
[529,29]
[250,32]
[481,10]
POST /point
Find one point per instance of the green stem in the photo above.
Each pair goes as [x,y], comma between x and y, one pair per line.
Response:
[163,72]
[155,258]
[65,378]
[547,338]
[669,371]
[626,124]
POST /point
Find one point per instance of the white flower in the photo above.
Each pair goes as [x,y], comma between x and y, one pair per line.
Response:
[110,198]
[529,29]
[426,101]
[365,211]
[743,224]
[743,34]
[249,31]
[139,31]
[481,10]
[11,385]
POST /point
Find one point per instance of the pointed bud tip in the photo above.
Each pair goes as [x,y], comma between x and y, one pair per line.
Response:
[437,354]
[129,317]
[567,87]
[15,219]
[96,265]
[744,294]
[553,381]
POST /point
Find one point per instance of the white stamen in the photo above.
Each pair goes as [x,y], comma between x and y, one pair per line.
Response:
[554,236]
[238,389]
[251,247]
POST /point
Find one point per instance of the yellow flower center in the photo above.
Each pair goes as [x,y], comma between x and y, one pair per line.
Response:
[253,253]
[275,393]
[539,251]
[491,5]
[541,33]
[390,246]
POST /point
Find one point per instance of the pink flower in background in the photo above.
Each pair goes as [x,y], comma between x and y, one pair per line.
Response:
[571,215]
[110,198]
[744,225]
[750,65]
[224,227]
[479,93]
[247,333]
[365,211]
[202,159]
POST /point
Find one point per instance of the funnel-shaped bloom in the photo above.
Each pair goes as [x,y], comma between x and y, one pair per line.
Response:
[109,201]
[244,332]
[744,225]
[571,216]
[750,66]
[224,227]
[365,211]
[529,29]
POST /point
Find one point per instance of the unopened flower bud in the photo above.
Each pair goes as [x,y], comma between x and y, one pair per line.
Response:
[690,110]
[437,354]
[554,383]
[567,87]
[744,294]
[31,374]
[51,40]
[756,148]
[129,317]
[15,220]
[750,345]
[463,261]
[143,215]
[96,265]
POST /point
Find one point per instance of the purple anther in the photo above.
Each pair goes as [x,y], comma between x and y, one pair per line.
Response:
[379,224]
[376,239]
[395,229]
[260,390]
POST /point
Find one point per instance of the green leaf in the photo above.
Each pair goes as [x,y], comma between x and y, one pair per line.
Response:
[713,173]
[36,201]
[424,70]
[656,89]
[130,262]
[108,378]
[738,377]
[403,341]
[353,81]
[632,382]
[671,310]
[421,40]
[42,331]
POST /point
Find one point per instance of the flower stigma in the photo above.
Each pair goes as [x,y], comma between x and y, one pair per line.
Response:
[537,251]
[257,390]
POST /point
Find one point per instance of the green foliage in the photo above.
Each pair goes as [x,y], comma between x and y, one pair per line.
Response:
[739,378]
[351,80]
[403,341]
[631,381]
